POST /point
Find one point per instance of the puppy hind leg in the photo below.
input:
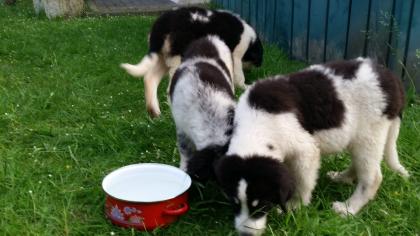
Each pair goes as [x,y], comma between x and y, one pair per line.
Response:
[152,80]
[366,158]
[365,191]
[391,154]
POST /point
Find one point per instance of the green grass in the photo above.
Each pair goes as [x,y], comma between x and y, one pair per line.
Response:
[69,115]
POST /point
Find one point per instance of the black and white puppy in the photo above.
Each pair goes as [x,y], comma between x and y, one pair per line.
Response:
[283,125]
[202,104]
[175,30]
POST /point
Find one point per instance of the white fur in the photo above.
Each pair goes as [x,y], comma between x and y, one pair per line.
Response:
[200,111]
[190,96]
[196,16]
[142,67]
[153,69]
[225,56]
[243,223]
[365,132]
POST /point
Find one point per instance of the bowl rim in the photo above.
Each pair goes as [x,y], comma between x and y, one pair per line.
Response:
[160,165]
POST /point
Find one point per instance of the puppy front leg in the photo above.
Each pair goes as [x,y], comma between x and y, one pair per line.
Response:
[186,149]
[305,166]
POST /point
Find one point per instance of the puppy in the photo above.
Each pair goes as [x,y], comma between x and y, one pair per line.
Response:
[175,30]
[283,125]
[202,104]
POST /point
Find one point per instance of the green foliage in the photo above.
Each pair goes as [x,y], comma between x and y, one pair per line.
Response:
[69,115]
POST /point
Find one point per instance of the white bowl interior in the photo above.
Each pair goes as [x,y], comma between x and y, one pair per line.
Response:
[148,182]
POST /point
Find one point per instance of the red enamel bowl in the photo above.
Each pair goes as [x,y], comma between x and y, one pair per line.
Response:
[146,196]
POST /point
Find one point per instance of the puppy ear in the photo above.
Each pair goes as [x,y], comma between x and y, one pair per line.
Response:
[285,185]
[284,196]
[227,169]
[219,168]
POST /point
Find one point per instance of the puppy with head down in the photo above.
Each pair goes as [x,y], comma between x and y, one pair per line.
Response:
[202,104]
[283,124]
[173,32]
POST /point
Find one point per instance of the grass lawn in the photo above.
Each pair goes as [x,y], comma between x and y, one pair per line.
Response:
[69,115]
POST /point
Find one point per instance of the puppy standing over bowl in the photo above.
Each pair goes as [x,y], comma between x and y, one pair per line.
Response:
[202,104]
[283,125]
[175,30]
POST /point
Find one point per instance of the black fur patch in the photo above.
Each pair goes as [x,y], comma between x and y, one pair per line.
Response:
[207,73]
[200,48]
[213,76]
[347,69]
[273,96]
[224,67]
[201,166]
[230,118]
[318,104]
[268,180]
[178,73]
[393,89]
[309,94]
[181,30]
[254,53]
[204,48]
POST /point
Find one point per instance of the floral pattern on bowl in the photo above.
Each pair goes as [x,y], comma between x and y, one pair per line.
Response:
[129,215]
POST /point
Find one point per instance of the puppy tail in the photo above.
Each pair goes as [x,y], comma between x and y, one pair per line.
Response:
[391,154]
[140,69]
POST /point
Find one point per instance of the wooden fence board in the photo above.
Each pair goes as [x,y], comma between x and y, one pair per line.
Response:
[261,18]
[399,38]
[379,30]
[318,16]
[300,29]
[245,9]
[357,30]
[253,13]
[413,51]
[270,10]
[283,24]
[337,29]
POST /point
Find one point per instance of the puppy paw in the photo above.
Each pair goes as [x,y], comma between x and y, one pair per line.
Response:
[342,209]
[404,173]
[338,177]
[293,204]
[153,111]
